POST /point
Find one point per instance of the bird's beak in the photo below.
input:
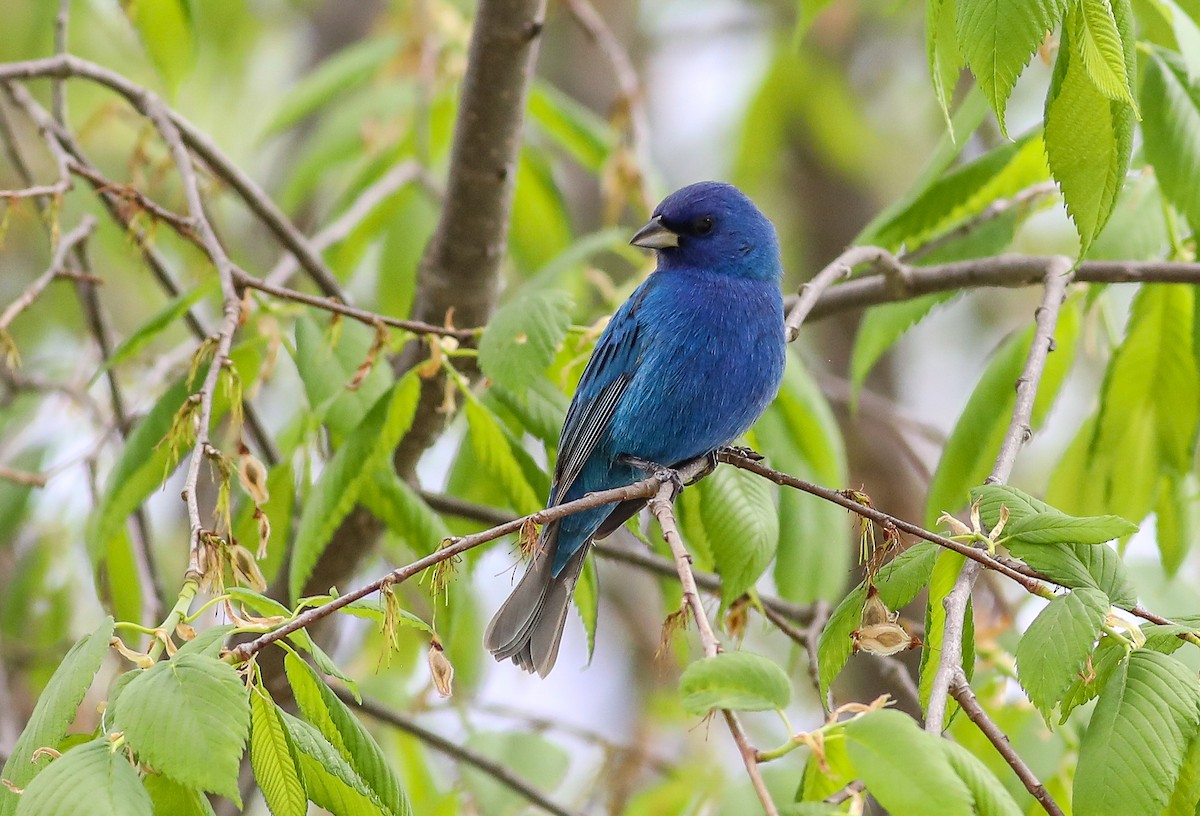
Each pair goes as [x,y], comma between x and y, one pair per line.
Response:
[655,235]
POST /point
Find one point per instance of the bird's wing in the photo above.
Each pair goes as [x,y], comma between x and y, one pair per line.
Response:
[600,390]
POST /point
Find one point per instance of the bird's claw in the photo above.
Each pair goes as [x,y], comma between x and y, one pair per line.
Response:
[742,451]
[661,472]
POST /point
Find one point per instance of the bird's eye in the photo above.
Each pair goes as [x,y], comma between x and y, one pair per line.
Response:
[703,225]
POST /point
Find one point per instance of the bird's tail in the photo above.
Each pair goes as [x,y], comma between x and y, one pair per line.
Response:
[528,627]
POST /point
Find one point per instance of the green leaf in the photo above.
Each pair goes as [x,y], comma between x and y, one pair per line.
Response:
[1098,43]
[970,451]
[1175,519]
[149,331]
[1131,756]
[1055,648]
[987,792]
[405,513]
[741,524]
[1171,101]
[941,49]
[195,695]
[1055,528]
[54,712]
[497,457]
[801,432]
[367,449]
[823,779]
[208,642]
[1186,795]
[997,38]
[273,758]
[945,572]
[739,681]
[1088,136]
[329,780]
[883,325]
[1020,504]
[1149,409]
[165,29]
[170,798]
[333,79]
[587,602]
[521,340]
[1086,686]
[1078,566]
[905,768]
[322,708]
[898,582]
[575,128]
[94,779]
[530,756]
[325,370]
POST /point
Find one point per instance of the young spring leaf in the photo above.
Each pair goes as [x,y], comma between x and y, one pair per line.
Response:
[498,459]
[741,524]
[190,694]
[329,780]
[335,722]
[1088,136]
[93,779]
[54,712]
[1055,648]
[904,767]
[1171,100]
[365,450]
[740,681]
[1132,753]
[1094,34]
[168,796]
[1031,521]
[325,370]
[522,338]
[273,758]
[997,38]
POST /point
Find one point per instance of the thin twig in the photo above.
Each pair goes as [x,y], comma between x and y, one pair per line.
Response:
[631,97]
[1019,430]
[660,506]
[455,546]
[58,265]
[961,690]
[456,750]
[362,315]
[811,291]
[643,559]
[23,477]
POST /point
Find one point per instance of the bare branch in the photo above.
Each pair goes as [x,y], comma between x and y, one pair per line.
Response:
[813,290]
[961,689]
[1058,276]
[458,752]
[58,265]
[660,506]
[23,477]
[455,546]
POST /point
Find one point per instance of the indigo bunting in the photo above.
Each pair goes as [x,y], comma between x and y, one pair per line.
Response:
[685,366]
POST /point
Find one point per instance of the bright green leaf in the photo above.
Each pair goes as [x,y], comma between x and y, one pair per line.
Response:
[329,780]
[165,29]
[340,74]
[173,799]
[739,681]
[1095,36]
[520,341]
[1132,753]
[325,370]
[367,449]
[201,697]
[741,524]
[94,779]
[498,459]
[273,758]
[1171,101]
[54,712]
[1055,648]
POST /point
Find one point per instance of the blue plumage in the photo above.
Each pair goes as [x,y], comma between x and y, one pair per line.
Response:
[685,366]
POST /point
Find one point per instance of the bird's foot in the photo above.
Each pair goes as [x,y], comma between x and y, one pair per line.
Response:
[710,464]
[660,472]
[742,451]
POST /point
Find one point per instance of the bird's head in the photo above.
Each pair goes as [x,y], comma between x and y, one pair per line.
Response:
[712,226]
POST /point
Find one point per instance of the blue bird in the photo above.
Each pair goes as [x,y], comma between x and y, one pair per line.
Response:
[685,366]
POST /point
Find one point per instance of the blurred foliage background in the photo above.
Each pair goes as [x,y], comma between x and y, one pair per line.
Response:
[823,112]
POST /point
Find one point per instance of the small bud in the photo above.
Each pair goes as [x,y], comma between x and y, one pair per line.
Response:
[440,668]
[956,527]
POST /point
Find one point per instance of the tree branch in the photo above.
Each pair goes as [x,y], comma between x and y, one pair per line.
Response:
[961,690]
[1058,276]
[660,506]
[58,266]
[460,753]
